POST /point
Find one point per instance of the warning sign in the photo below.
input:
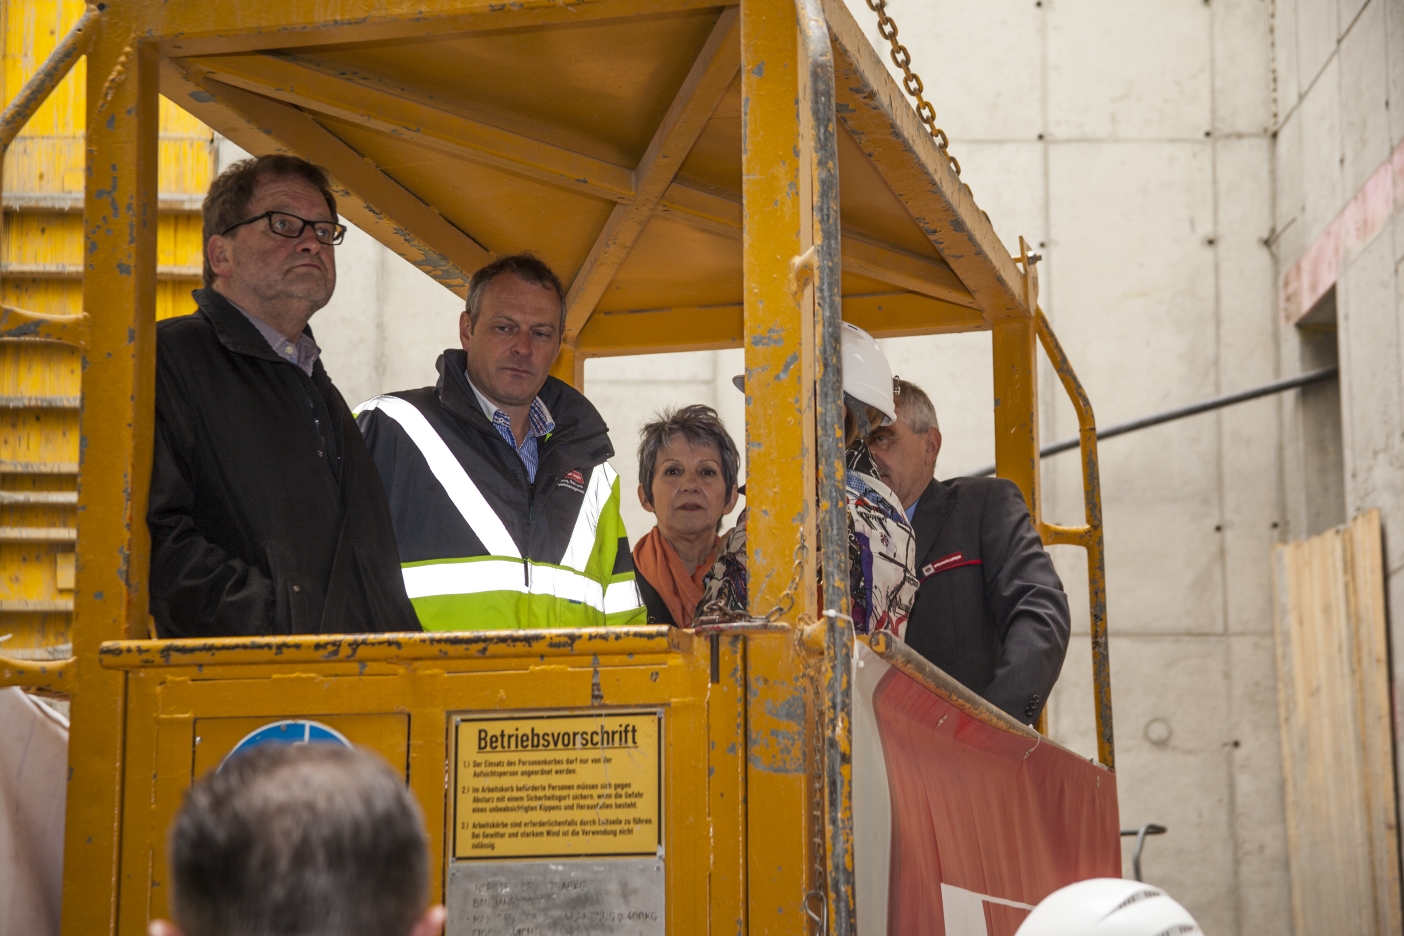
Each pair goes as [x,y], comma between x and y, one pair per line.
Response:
[544,786]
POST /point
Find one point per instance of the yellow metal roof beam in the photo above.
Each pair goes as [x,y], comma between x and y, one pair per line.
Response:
[886,264]
[369,198]
[366,101]
[654,331]
[262,25]
[711,74]
[874,110]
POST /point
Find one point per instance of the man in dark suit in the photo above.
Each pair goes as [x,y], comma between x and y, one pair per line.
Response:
[267,514]
[990,609]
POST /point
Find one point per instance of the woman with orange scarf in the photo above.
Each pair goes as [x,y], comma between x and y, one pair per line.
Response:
[688,468]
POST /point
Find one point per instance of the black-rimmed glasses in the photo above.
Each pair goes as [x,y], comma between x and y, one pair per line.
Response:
[287,225]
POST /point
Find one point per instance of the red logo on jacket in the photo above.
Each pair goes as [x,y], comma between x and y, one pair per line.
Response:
[574,480]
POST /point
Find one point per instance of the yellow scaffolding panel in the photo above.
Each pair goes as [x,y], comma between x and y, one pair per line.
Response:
[41,253]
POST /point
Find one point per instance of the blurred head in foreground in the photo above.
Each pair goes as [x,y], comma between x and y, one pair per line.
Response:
[300,840]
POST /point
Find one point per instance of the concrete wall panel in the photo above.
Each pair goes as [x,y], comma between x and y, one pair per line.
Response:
[1285,85]
[1289,197]
[1255,760]
[1323,194]
[1179,686]
[1249,432]
[976,95]
[1242,67]
[1394,53]
[1347,11]
[1317,33]
[1372,399]
[1128,71]
[1365,132]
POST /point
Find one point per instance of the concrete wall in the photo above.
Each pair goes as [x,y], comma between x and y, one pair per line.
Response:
[1131,143]
[1339,187]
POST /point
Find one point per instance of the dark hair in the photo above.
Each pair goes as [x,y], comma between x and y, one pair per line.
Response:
[528,266]
[305,839]
[701,426]
[227,202]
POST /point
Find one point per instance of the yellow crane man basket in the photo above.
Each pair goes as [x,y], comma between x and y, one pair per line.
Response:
[703,175]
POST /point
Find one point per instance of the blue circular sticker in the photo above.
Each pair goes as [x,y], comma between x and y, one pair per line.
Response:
[294,731]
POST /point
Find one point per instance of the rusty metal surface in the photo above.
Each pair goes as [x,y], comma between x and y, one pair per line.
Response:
[1089,536]
[349,648]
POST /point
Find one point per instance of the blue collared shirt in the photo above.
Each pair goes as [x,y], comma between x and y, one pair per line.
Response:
[303,352]
[539,425]
[911,511]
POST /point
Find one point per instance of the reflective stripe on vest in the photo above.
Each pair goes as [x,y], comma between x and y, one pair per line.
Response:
[474,576]
[582,538]
[460,488]
[502,570]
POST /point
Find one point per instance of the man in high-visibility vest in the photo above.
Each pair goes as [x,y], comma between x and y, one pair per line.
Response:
[505,509]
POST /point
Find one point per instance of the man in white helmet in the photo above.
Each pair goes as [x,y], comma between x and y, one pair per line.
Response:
[881,547]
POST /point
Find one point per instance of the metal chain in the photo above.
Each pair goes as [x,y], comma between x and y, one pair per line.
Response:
[787,597]
[911,81]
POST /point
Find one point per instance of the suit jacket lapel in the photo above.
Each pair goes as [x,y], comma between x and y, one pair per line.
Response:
[934,508]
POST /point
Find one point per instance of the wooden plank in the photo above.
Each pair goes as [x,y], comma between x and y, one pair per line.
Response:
[1371,659]
[1337,752]
[706,83]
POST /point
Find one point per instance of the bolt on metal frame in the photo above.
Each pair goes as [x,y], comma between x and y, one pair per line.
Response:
[793,251]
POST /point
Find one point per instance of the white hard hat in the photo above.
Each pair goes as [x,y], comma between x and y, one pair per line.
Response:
[1109,907]
[867,377]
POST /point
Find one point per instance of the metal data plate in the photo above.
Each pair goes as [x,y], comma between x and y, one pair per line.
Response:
[574,897]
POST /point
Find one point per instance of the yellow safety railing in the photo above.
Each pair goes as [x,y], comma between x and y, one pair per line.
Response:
[1088,536]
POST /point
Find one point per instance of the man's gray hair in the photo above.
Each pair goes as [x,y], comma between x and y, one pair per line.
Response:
[305,839]
[701,426]
[526,265]
[914,407]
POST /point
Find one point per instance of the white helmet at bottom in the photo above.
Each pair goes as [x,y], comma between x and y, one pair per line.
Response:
[1109,907]
[867,377]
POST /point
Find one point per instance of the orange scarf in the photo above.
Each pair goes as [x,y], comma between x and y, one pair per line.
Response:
[656,560]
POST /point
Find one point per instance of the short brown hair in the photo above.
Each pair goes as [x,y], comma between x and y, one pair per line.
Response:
[528,266]
[312,839]
[227,202]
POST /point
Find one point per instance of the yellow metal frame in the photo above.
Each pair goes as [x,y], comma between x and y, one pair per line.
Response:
[745,696]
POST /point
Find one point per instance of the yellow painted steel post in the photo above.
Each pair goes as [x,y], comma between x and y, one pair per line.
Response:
[119,293]
[1016,396]
[779,346]
[570,366]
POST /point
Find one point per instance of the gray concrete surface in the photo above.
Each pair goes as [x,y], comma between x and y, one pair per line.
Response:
[1339,188]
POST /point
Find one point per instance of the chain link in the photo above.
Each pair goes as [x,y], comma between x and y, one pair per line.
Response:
[911,81]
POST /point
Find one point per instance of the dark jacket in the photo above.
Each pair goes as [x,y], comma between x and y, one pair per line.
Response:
[990,609]
[658,612]
[540,516]
[267,515]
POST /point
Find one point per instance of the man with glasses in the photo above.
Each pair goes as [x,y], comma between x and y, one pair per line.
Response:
[267,515]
